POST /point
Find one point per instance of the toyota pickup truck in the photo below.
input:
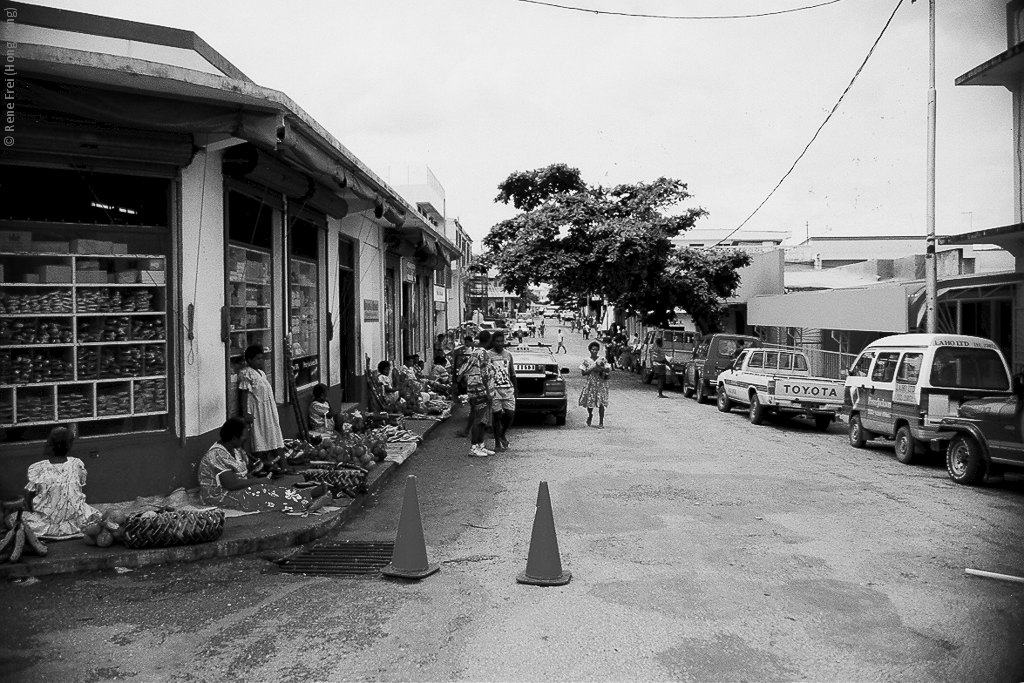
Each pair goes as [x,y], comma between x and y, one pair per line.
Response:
[778,381]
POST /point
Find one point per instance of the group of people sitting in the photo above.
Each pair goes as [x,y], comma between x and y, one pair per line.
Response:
[409,389]
[56,508]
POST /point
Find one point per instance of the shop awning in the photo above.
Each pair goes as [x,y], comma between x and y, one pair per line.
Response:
[870,309]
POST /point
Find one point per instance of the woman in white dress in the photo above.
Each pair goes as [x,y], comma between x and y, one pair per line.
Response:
[55,490]
[259,409]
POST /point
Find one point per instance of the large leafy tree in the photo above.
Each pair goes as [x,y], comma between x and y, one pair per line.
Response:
[611,242]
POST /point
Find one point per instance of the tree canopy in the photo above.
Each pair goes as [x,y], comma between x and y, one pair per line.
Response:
[610,242]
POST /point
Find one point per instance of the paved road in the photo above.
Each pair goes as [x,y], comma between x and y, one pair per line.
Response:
[702,549]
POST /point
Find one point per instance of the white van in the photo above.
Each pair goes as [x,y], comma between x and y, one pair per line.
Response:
[901,387]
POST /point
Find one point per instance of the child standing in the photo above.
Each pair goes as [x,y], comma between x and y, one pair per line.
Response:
[259,409]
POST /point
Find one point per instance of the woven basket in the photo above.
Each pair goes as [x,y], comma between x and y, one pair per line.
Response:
[175,527]
[347,481]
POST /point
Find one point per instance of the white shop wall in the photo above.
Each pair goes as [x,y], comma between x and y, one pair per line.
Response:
[202,254]
[368,237]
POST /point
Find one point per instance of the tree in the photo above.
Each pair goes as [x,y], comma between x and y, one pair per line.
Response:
[611,242]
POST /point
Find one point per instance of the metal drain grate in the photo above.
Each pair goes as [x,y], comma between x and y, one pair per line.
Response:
[340,558]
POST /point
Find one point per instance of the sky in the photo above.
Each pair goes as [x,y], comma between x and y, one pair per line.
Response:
[479,89]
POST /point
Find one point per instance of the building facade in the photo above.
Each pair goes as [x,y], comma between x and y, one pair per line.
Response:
[162,214]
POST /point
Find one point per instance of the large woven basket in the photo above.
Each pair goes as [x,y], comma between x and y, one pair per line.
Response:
[174,527]
[351,482]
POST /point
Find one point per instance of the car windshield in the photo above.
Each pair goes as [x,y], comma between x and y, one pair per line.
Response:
[969,368]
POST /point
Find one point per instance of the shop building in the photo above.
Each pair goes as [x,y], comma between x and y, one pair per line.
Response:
[163,212]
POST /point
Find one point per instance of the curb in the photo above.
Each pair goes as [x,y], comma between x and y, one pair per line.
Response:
[33,566]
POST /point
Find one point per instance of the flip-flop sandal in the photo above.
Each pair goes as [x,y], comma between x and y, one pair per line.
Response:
[600,426]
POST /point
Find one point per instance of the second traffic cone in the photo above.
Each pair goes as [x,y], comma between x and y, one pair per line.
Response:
[409,558]
[544,566]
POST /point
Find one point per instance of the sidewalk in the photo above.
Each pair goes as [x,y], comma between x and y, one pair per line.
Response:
[242,535]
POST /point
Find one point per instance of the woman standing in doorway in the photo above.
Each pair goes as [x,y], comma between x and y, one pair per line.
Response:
[595,392]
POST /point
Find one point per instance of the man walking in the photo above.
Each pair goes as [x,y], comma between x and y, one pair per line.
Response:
[659,365]
[542,327]
[561,342]
[503,389]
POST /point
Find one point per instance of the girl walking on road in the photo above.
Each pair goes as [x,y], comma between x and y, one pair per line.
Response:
[595,392]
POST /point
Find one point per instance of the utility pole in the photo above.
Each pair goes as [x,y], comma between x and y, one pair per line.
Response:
[930,262]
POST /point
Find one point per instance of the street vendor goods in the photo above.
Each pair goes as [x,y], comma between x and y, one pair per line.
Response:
[153,529]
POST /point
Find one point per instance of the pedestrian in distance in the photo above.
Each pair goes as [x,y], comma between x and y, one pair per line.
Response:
[586,331]
[561,342]
[259,411]
[659,365]
[542,327]
[475,373]
[502,370]
[595,392]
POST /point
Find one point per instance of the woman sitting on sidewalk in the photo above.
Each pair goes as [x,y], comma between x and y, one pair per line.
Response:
[54,491]
[224,479]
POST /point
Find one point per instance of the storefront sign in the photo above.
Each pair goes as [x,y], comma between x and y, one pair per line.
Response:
[440,293]
[371,310]
[408,271]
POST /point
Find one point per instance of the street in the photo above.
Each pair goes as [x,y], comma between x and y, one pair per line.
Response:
[702,548]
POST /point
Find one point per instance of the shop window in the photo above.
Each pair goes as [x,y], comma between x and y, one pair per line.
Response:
[249,285]
[304,301]
[83,303]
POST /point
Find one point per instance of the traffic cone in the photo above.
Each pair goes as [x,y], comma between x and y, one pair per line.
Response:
[544,566]
[409,558]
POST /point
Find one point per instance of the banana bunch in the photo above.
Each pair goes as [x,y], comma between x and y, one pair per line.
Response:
[19,535]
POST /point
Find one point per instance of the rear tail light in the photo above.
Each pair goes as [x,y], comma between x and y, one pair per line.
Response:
[554,386]
[771,387]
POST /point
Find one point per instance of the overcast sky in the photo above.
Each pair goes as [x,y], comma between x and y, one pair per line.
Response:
[477,89]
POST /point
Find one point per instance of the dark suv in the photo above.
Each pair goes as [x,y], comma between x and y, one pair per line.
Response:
[989,436]
[712,354]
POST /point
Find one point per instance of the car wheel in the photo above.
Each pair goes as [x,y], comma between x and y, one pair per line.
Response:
[687,389]
[905,445]
[756,410]
[560,418]
[821,422]
[724,402]
[646,375]
[702,393]
[858,437]
[964,462]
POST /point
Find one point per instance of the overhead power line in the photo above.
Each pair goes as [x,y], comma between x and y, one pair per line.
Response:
[674,16]
[815,136]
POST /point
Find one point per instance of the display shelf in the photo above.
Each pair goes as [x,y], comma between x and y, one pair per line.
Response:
[102,313]
[49,285]
[4,345]
[86,377]
[267,306]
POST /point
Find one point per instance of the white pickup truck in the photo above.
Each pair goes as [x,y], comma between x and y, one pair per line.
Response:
[779,381]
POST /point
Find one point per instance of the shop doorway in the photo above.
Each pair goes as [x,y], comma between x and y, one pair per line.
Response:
[345,327]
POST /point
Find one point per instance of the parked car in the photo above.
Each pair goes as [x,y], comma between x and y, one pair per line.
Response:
[678,347]
[540,385]
[712,354]
[988,436]
[904,386]
[779,381]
